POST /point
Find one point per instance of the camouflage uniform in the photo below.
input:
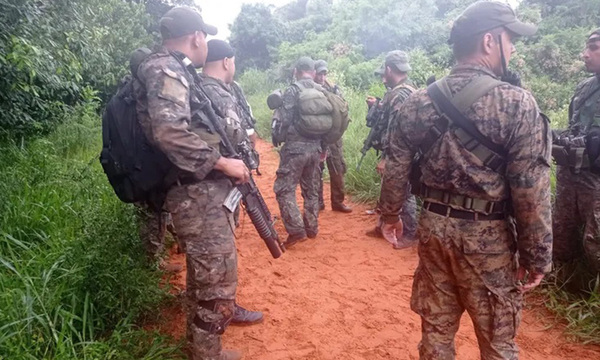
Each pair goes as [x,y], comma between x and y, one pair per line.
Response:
[577,203]
[471,264]
[299,164]
[165,102]
[153,228]
[223,99]
[393,99]
[336,165]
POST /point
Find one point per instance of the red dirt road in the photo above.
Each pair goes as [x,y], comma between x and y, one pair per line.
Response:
[344,296]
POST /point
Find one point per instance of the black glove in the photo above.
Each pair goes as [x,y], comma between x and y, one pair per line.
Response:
[512,77]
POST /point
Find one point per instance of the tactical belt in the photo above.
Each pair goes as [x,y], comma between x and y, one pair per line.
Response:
[448,211]
[191,179]
[468,204]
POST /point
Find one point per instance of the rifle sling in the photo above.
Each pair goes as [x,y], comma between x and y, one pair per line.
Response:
[451,110]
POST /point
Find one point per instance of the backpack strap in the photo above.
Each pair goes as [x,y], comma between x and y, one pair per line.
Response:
[451,109]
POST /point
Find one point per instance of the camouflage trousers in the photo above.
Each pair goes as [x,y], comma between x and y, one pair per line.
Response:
[576,222]
[298,165]
[153,228]
[206,227]
[336,165]
[466,265]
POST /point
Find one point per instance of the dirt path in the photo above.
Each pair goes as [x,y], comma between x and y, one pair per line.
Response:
[343,296]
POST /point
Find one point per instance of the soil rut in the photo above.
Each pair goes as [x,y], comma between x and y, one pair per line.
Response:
[344,296]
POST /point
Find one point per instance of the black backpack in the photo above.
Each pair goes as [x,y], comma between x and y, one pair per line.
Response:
[137,170]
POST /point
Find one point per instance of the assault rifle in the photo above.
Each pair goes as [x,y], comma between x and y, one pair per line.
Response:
[374,118]
[255,205]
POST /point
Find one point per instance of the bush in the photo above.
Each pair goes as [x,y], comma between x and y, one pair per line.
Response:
[73,273]
[51,50]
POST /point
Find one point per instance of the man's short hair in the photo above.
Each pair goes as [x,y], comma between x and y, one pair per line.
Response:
[468,45]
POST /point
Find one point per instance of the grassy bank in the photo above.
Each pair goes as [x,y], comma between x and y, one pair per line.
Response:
[74,280]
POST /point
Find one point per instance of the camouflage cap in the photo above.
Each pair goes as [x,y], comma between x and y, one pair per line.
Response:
[305,63]
[321,66]
[484,16]
[399,59]
[181,21]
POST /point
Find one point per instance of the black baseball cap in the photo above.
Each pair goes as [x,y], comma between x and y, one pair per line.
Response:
[484,16]
[181,21]
[219,50]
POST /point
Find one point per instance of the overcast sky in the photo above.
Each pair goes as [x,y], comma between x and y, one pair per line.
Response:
[221,13]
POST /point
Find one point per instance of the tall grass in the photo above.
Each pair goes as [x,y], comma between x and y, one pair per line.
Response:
[73,274]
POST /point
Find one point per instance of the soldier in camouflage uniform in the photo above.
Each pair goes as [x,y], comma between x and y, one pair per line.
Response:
[334,153]
[394,72]
[577,203]
[467,250]
[299,164]
[217,76]
[166,99]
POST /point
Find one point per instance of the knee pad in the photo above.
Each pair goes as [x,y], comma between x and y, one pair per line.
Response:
[225,308]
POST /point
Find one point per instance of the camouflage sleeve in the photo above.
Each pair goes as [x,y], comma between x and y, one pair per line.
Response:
[528,175]
[398,163]
[393,106]
[168,94]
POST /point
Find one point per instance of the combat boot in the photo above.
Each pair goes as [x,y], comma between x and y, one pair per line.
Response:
[342,208]
[243,317]
[294,239]
[231,355]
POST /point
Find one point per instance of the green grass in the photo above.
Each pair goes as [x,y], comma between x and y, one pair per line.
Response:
[74,279]
[573,294]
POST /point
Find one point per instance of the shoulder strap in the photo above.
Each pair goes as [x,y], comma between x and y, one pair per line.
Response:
[450,109]
[473,91]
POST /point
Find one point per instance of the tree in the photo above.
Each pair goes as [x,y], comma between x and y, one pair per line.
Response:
[255,34]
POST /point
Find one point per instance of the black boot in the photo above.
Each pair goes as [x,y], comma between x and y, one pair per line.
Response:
[242,316]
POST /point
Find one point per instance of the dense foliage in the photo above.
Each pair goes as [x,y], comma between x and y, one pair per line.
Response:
[51,50]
